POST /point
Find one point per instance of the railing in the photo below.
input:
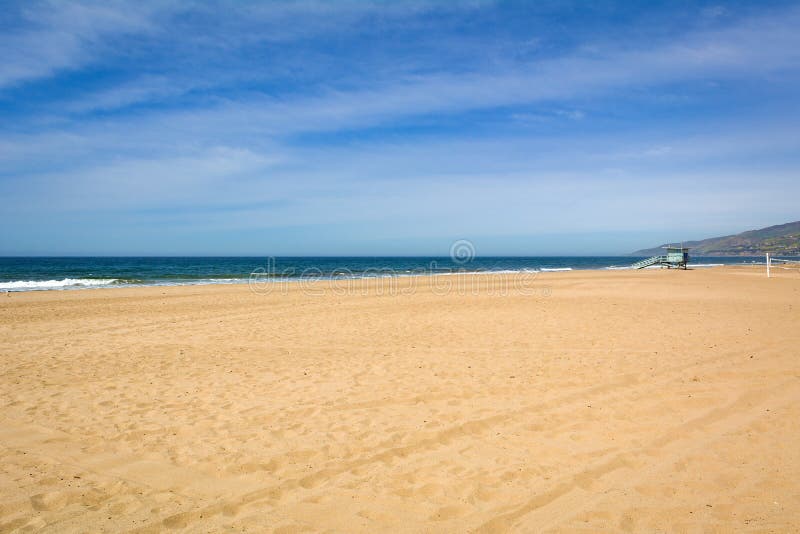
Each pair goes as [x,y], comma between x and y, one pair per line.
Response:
[648,262]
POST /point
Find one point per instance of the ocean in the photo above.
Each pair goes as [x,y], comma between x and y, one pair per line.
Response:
[60,273]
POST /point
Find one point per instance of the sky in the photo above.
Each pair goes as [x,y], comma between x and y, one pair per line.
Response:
[394,128]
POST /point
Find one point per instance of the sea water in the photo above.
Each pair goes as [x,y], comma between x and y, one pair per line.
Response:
[51,273]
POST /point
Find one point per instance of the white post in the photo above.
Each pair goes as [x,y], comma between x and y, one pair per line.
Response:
[768,264]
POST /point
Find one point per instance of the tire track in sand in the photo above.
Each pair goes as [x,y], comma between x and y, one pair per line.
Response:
[572,496]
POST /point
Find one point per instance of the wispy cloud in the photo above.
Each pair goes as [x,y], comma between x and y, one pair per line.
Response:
[766,45]
[56,36]
[302,113]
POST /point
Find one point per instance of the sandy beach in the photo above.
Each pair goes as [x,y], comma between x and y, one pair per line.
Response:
[591,401]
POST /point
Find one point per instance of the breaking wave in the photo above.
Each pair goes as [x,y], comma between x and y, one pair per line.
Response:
[30,285]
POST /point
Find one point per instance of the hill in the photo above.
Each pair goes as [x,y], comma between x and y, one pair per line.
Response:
[783,239]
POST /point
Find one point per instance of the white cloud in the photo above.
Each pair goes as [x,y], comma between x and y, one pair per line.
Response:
[57,36]
[148,88]
[755,48]
[65,35]
[574,114]
[239,158]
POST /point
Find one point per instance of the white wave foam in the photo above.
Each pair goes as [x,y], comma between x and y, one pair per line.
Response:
[30,285]
[512,271]
[477,273]
[555,269]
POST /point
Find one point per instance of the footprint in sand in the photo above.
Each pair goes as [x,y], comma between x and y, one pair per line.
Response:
[50,500]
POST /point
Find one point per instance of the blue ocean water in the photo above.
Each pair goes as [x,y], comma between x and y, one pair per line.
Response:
[41,273]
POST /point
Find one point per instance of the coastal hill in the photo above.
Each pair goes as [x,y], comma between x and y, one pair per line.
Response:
[782,239]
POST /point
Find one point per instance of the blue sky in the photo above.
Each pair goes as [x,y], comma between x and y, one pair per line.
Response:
[380,128]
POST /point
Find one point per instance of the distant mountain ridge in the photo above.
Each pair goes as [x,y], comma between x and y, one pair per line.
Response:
[782,239]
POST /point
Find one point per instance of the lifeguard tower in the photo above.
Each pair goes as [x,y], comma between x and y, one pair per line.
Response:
[677,257]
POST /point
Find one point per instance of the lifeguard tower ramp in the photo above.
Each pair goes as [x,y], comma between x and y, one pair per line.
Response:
[677,257]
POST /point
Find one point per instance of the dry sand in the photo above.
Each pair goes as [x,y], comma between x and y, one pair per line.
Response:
[597,401]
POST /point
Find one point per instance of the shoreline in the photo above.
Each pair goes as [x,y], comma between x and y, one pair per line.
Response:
[110,283]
